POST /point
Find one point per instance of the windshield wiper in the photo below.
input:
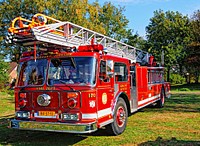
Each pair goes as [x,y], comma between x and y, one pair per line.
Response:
[66,84]
[73,62]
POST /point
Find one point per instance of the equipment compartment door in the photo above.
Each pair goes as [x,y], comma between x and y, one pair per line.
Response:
[142,85]
[134,98]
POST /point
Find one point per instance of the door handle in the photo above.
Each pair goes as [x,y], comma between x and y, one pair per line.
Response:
[111,90]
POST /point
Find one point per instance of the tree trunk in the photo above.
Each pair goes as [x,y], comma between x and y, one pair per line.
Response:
[189,78]
[181,69]
[197,77]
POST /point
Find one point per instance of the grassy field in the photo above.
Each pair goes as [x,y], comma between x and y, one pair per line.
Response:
[178,123]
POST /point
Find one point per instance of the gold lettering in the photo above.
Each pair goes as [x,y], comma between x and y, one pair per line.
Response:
[40,88]
[50,88]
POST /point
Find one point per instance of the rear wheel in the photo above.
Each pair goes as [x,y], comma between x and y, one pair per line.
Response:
[120,118]
[161,101]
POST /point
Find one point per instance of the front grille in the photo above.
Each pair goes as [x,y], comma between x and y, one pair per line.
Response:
[54,101]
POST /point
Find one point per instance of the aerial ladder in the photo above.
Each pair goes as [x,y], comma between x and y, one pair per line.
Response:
[47,32]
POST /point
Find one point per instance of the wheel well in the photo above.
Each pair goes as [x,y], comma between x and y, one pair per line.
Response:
[125,98]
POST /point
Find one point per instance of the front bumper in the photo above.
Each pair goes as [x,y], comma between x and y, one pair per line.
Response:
[56,127]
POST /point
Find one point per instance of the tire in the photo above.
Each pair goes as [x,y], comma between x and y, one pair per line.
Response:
[161,101]
[120,118]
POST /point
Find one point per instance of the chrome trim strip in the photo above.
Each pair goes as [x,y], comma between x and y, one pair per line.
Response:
[148,99]
[55,127]
[89,116]
[106,123]
[148,104]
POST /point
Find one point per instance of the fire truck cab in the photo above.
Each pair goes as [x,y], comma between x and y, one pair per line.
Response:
[72,82]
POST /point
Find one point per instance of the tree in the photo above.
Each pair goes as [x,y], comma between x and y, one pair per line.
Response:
[93,16]
[192,60]
[135,40]
[169,32]
[114,22]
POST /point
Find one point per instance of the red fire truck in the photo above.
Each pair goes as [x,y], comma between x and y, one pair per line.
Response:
[72,79]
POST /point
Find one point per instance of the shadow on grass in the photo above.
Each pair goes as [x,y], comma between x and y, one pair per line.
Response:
[191,87]
[172,142]
[26,137]
[22,137]
[178,103]
[184,103]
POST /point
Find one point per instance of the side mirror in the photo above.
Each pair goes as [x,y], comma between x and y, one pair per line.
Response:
[110,74]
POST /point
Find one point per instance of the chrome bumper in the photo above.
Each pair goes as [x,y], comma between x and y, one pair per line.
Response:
[56,127]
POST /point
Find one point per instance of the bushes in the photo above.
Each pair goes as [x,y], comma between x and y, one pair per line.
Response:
[177,79]
[184,89]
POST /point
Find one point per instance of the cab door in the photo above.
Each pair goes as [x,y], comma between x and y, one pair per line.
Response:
[105,92]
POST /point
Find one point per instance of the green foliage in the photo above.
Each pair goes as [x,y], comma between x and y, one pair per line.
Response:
[136,41]
[107,19]
[3,72]
[169,32]
[177,79]
[113,21]
[192,60]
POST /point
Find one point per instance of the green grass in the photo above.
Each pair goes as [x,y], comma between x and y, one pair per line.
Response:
[175,124]
[6,104]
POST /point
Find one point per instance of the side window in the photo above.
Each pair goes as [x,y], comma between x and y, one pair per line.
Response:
[132,69]
[121,72]
[102,74]
[149,77]
[155,76]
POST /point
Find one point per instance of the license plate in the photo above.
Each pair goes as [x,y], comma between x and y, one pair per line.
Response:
[46,113]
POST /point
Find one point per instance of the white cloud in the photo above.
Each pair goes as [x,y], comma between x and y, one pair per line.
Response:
[136,1]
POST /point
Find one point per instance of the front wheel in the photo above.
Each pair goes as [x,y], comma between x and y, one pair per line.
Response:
[120,118]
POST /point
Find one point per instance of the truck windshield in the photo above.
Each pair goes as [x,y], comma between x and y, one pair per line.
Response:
[72,70]
[32,72]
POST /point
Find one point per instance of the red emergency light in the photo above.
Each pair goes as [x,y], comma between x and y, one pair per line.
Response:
[90,48]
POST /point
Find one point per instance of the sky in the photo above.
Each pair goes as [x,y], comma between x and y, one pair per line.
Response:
[139,12]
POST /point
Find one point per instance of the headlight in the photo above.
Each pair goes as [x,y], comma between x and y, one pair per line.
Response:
[72,103]
[43,100]
[22,114]
[67,116]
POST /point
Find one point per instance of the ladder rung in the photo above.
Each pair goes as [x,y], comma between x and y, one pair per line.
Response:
[67,34]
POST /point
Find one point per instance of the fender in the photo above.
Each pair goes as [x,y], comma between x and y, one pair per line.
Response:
[125,97]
